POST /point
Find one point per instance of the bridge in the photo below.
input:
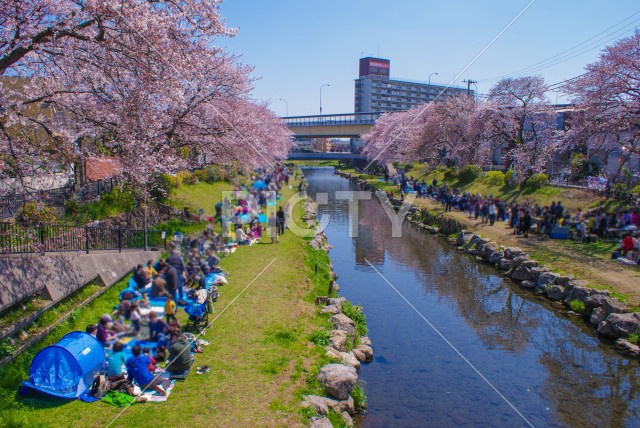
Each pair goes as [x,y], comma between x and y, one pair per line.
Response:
[347,125]
[324,156]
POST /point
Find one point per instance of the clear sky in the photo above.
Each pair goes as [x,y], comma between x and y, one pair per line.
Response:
[297,46]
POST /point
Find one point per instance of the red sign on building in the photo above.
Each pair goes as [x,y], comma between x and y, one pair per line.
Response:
[377,67]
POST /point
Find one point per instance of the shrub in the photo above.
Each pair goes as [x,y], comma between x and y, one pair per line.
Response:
[508,178]
[359,398]
[200,175]
[579,165]
[162,185]
[494,178]
[633,338]
[470,173]
[320,337]
[213,173]
[33,213]
[577,306]
[117,200]
[357,315]
[537,181]
[187,178]
[450,173]
[635,191]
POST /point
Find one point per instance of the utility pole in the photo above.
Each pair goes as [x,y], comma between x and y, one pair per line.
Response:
[469,82]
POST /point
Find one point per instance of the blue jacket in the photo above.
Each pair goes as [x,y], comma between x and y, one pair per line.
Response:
[138,370]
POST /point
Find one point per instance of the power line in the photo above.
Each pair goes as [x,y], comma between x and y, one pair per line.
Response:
[561,57]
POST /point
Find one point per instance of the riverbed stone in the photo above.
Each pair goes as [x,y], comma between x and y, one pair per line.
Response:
[330,309]
[317,403]
[564,280]
[597,316]
[594,301]
[364,353]
[472,241]
[623,324]
[624,344]
[482,243]
[577,293]
[348,421]
[530,263]
[344,323]
[546,279]
[494,257]
[463,237]
[537,271]
[517,261]
[338,380]
[321,300]
[521,273]
[555,292]
[473,252]
[364,340]
[504,264]
[605,329]
[528,284]
[320,422]
[613,306]
[338,340]
[513,252]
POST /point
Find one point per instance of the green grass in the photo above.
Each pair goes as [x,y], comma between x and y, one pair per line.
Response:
[202,195]
[261,358]
[577,306]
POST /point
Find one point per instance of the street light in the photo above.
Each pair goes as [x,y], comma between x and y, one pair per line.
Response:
[432,75]
[287,104]
[326,84]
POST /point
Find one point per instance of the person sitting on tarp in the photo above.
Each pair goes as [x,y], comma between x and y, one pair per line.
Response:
[138,370]
[180,358]
[141,277]
[103,334]
[212,260]
[158,288]
[158,329]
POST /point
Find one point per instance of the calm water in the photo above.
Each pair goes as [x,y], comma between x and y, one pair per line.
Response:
[550,367]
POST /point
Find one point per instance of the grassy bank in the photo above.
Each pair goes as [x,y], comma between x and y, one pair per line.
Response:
[590,262]
[261,357]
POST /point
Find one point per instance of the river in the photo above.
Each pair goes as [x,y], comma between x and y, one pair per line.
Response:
[543,367]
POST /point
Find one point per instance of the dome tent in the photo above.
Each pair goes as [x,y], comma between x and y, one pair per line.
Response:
[67,369]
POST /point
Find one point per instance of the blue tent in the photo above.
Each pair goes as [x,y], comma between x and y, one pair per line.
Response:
[67,368]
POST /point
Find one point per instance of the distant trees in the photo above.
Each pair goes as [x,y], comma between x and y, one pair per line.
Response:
[518,119]
[607,99]
[143,80]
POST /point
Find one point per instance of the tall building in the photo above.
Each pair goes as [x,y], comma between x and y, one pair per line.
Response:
[376,91]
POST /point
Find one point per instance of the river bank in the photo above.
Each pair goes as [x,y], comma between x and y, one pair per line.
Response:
[261,357]
[609,317]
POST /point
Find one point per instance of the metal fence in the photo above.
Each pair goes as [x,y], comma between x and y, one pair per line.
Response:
[16,239]
[10,204]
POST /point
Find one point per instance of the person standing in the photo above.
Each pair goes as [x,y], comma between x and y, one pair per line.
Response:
[175,260]
[272,224]
[526,223]
[280,221]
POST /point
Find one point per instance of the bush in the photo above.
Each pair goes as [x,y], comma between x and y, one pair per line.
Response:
[359,398]
[200,175]
[579,165]
[450,173]
[357,315]
[213,173]
[187,178]
[320,337]
[33,213]
[162,185]
[508,178]
[537,181]
[118,201]
[470,173]
[577,306]
[494,178]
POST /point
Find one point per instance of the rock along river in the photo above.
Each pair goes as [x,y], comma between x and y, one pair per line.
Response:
[548,366]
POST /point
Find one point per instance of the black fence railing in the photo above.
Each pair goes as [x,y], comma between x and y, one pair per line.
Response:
[16,239]
[10,204]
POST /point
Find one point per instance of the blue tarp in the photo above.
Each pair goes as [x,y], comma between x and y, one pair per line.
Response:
[67,368]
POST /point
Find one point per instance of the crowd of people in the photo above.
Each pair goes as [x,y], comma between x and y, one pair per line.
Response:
[553,220]
[163,287]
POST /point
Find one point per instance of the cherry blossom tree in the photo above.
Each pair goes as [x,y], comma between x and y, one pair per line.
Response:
[145,79]
[607,99]
[520,121]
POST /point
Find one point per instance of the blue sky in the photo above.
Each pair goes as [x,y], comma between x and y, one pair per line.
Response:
[297,46]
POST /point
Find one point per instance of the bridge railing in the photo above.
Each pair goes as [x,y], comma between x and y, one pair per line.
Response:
[333,119]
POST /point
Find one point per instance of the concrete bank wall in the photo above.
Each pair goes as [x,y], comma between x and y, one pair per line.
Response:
[59,275]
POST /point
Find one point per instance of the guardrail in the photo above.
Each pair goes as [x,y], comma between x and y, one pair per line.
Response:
[333,119]
[17,239]
[10,204]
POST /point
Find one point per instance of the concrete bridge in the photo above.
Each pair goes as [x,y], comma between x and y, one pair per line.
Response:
[347,125]
[324,156]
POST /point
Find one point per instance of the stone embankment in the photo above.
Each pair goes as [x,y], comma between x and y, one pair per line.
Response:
[345,348]
[610,318]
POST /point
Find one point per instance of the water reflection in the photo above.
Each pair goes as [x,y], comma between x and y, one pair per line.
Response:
[549,366]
